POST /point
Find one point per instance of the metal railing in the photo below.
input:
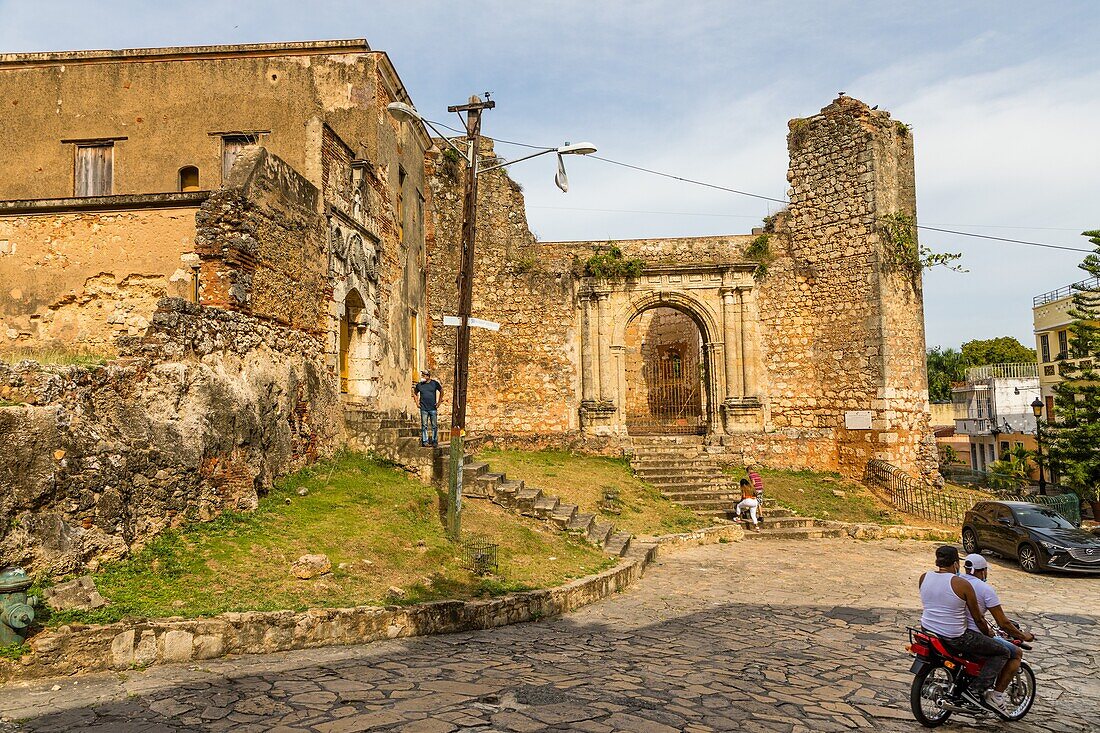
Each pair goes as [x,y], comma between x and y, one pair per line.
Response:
[1064,292]
[1002,371]
[944,505]
[1068,505]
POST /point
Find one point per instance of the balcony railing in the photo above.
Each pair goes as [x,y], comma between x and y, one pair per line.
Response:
[1002,371]
[973,425]
[1064,292]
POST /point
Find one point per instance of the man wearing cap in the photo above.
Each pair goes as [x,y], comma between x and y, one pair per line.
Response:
[948,602]
[977,572]
[427,393]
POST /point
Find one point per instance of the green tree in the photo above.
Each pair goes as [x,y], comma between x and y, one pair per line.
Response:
[1002,350]
[945,365]
[1075,434]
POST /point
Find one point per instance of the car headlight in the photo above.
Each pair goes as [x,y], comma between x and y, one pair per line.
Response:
[1051,547]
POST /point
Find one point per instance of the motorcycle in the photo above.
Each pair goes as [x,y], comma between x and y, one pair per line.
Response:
[942,676]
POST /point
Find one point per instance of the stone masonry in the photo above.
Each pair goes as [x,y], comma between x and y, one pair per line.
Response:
[816,363]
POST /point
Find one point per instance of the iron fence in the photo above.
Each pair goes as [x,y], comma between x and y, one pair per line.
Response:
[479,556]
[944,505]
[1068,505]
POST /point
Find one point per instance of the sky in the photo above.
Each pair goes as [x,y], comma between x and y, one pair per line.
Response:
[1003,99]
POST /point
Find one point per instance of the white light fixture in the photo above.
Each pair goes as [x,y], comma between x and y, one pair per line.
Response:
[584,148]
[403,112]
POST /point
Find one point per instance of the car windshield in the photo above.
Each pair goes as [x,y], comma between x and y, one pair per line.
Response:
[1039,518]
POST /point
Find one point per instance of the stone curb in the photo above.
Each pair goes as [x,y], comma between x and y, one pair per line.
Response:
[138,643]
[885,531]
[705,536]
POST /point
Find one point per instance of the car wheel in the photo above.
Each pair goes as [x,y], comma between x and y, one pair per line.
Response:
[1028,555]
[970,542]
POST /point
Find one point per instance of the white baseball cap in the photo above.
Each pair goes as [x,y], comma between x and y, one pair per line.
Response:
[974,561]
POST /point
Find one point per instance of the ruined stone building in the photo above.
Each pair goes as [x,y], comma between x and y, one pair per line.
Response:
[238,231]
[801,346]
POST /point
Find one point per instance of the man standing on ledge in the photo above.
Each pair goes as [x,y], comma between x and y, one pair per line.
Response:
[428,392]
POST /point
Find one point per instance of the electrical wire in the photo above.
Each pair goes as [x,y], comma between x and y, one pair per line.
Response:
[772,199]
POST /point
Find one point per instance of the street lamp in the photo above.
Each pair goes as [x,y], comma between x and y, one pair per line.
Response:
[403,112]
[1037,410]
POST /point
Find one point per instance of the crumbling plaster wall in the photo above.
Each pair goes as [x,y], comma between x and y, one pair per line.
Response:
[85,277]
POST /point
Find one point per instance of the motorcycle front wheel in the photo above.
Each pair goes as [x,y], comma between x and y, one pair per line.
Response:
[1021,692]
[930,685]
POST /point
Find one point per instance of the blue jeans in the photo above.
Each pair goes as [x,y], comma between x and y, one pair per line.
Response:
[429,417]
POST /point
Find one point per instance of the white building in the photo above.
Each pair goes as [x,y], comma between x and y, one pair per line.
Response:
[993,408]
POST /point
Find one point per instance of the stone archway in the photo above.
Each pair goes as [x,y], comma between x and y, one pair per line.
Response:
[718,299]
[665,374]
[354,353]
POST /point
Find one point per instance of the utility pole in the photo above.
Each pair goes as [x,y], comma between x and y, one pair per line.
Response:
[465,305]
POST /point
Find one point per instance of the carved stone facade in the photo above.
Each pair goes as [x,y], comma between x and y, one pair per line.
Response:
[816,362]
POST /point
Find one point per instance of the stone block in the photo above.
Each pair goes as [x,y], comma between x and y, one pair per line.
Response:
[177,646]
[75,595]
[122,650]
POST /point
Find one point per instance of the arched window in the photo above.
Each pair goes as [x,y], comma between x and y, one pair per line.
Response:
[189,178]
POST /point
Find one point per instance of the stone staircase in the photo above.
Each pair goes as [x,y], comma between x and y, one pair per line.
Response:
[682,470]
[479,482]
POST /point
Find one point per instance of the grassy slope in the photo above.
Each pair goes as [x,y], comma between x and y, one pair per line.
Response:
[582,480]
[384,526]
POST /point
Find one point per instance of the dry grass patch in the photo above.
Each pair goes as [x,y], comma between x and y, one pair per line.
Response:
[382,527]
[59,355]
[586,481]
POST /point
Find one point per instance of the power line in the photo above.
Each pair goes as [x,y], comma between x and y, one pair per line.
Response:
[772,199]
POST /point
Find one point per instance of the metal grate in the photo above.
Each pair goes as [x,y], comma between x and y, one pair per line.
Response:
[479,556]
[673,399]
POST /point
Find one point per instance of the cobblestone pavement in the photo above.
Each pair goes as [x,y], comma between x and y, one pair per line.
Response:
[782,636]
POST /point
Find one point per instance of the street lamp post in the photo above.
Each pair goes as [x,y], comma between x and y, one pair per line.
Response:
[406,113]
[1037,410]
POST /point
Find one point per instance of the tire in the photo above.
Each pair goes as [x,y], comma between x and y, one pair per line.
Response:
[1027,555]
[934,716]
[1021,692]
[970,541]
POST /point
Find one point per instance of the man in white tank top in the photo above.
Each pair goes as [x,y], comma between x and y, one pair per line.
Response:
[948,602]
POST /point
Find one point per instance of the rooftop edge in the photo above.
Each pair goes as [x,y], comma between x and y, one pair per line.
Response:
[353,45]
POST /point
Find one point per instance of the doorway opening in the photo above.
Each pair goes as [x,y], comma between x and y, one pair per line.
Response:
[666,374]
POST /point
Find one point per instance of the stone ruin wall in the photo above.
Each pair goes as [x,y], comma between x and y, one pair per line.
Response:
[834,332]
[523,379]
[201,416]
[83,278]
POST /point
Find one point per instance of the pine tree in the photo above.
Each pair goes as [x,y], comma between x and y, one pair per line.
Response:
[1074,436]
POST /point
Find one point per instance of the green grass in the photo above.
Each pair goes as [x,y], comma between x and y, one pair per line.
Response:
[810,494]
[57,355]
[382,525]
[585,481]
[14,652]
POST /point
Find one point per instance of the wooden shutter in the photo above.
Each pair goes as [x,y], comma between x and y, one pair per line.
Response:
[94,170]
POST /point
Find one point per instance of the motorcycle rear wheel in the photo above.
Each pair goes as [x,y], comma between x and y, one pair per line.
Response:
[929,685]
[1021,692]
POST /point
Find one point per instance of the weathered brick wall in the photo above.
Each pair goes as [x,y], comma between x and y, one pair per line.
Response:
[203,414]
[262,244]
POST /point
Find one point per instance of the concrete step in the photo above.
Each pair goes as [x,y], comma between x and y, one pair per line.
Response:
[617,544]
[794,533]
[563,515]
[599,532]
[545,505]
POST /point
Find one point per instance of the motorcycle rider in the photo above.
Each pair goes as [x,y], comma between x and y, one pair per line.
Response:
[948,600]
[977,573]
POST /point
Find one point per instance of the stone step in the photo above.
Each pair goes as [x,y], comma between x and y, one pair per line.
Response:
[506,492]
[526,498]
[676,487]
[651,463]
[793,533]
[668,439]
[486,484]
[563,515]
[787,522]
[673,472]
[703,495]
[720,506]
[581,523]
[545,505]
[599,532]
[471,471]
[617,544]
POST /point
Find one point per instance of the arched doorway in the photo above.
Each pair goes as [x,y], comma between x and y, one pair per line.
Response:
[666,374]
[353,342]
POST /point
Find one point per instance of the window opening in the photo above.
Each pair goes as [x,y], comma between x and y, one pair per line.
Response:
[232,145]
[189,178]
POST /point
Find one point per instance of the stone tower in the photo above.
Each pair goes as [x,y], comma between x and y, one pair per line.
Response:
[856,276]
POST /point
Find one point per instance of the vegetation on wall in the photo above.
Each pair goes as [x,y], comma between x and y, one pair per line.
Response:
[609,262]
[902,253]
[799,129]
[759,251]
[1075,432]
